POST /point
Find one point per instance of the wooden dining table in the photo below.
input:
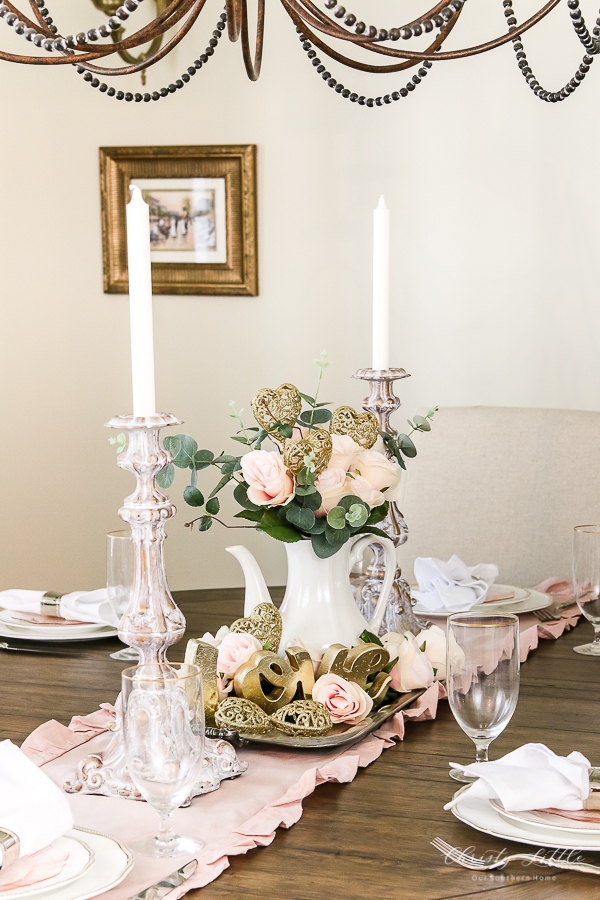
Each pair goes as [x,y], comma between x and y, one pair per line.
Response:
[369,838]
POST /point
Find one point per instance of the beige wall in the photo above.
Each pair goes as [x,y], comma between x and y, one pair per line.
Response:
[494,197]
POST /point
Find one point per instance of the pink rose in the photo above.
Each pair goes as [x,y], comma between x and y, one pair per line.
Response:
[344,700]
[269,482]
[362,488]
[235,650]
[345,450]
[332,484]
[224,686]
[379,471]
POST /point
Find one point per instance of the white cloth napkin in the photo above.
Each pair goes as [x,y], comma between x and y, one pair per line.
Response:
[31,805]
[83,606]
[452,585]
[531,777]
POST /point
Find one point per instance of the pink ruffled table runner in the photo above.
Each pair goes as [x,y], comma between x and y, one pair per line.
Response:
[246,812]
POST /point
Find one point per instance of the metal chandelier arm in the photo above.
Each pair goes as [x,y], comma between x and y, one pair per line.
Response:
[253,68]
[411,54]
[156,57]
[290,5]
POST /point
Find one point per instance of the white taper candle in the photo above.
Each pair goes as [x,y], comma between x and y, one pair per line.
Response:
[381,286]
[140,304]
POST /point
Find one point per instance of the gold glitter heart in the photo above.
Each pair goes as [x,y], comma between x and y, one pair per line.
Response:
[282,405]
[242,715]
[361,427]
[303,718]
[317,442]
[264,623]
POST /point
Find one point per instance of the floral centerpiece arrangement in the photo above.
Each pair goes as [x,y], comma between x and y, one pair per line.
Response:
[325,481]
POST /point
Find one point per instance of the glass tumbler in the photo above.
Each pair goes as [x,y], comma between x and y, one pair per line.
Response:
[586,581]
[483,670]
[163,732]
[120,577]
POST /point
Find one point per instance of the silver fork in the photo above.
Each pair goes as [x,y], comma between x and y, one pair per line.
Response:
[552,613]
[473,862]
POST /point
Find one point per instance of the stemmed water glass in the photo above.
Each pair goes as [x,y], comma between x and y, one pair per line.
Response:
[482,676]
[586,581]
[120,576]
[163,732]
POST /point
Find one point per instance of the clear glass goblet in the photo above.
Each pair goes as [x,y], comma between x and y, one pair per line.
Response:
[163,732]
[483,671]
[586,581]
[120,577]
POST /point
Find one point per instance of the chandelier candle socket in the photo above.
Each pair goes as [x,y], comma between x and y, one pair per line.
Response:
[381,286]
[140,304]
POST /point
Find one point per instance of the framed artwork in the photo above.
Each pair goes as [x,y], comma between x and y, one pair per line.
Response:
[203,230]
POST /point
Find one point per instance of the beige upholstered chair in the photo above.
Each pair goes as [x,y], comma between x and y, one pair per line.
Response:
[504,486]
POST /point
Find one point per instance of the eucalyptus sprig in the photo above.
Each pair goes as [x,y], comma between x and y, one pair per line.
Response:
[402,445]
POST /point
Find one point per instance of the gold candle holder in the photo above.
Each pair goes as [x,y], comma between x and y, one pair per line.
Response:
[399,615]
[152,621]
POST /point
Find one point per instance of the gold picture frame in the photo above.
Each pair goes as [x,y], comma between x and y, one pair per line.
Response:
[218,236]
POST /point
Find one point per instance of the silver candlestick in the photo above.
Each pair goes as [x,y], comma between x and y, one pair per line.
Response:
[399,615]
[152,621]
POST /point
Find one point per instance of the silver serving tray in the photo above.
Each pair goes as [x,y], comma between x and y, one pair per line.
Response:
[340,735]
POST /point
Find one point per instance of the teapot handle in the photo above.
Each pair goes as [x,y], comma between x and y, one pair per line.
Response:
[389,550]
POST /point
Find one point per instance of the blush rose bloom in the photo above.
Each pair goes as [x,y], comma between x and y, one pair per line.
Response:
[344,700]
[269,482]
[433,640]
[235,650]
[345,451]
[362,488]
[332,484]
[381,472]
[215,641]
[413,669]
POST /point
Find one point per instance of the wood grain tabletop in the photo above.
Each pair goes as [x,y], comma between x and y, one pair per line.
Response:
[370,838]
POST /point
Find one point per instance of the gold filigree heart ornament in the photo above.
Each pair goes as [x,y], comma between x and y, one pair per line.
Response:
[242,715]
[303,718]
[361,427]
[282,405]
[264,623]
[317,444]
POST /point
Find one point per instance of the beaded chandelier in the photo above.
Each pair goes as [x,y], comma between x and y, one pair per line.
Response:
[86,50]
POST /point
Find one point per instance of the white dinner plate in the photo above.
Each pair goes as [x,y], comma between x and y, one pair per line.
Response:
[525,600]
[112,861]
[481,815]
[7,617]
[80,858]
[49,632]
[549,821]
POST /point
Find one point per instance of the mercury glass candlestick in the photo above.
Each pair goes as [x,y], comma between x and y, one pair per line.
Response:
[399,615]
[152,621]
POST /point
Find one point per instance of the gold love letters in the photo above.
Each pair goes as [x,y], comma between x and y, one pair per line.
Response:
[197,653]
[355,664]
[271,682]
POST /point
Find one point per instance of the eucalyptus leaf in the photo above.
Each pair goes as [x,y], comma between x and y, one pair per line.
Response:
[252,515]
[305,477]
[213,506]
[166,477]
[312,501]
[302,518]
[192,496]
[310,400]
[285,430]
[336,518]
[336,536]
[224,480]
[319,526]
[205,523]
[406,446]
[272,526]
[422,424]
[368,529]
[183,447]
[194,478]
[315,416]
[222,458]
[388,668]
[323,549]
[378,514]
[241,496]
[305,491]
[240,439]
[356,516]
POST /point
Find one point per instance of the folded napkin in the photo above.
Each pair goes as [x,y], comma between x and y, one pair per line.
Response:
[34,869]
[531,777]
[31,805]
[451,585]
[80,606]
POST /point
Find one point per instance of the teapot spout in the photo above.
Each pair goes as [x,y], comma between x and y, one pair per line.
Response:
[256,588]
